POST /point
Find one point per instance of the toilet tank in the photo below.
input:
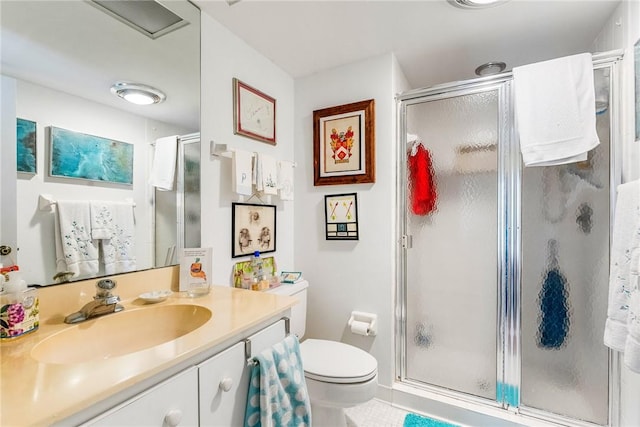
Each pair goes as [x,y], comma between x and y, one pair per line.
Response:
[299,311]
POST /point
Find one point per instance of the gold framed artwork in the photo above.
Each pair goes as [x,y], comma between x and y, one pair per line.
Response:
[341,217]
[254,113]
[344,144]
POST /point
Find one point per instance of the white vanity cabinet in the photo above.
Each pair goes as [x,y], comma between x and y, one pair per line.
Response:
[173,402]
[224,378]
[211,392]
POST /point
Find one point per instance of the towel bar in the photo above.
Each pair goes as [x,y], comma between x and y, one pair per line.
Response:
[46,201]
[247,342]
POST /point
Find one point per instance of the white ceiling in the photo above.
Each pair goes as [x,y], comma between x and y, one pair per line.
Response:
[73,47]
[433,41]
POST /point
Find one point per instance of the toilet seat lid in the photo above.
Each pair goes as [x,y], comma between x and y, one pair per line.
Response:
[336,362]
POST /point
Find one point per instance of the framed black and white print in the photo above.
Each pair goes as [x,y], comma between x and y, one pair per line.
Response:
[253,228]
[341,217]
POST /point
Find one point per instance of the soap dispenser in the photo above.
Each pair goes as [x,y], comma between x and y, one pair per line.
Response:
[19,307]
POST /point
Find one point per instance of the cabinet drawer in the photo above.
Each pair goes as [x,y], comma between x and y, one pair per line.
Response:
[224,379]
[173,402]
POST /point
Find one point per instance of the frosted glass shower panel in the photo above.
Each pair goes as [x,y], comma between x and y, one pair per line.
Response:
[451,274]
[565,269]
[191,206]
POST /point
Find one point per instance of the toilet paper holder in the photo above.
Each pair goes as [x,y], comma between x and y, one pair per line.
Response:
[363,323]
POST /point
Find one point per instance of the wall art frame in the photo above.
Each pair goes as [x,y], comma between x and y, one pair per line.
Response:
[341,217]
[27,146]
[344,144]
[254,113]
[81,156]
[253,228]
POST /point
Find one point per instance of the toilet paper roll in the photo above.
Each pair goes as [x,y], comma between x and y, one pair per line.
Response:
[360,328]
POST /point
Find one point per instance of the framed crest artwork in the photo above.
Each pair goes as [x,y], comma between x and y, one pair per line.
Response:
[344,144]
[254,113]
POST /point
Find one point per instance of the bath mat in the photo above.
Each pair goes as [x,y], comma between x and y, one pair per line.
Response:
[413,420]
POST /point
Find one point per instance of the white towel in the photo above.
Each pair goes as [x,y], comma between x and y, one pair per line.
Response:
[285,180]
[118,247]
[76,250]
[622,328]
[632,346]
[163,170]
[101,219]
[268,173]
[241,172]
[555,110]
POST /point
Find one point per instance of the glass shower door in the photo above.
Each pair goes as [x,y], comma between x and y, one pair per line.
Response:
[565,270]
[451,273]
[504,268]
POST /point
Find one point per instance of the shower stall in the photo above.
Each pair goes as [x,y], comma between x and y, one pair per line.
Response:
[177,212]
[503,277]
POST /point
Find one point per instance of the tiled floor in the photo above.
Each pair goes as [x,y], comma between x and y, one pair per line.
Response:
[375,413]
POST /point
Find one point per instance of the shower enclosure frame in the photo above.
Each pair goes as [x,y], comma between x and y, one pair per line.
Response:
[508,305]
[179,231]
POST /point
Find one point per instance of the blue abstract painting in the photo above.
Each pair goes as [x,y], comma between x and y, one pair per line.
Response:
[26,149]
[77,155]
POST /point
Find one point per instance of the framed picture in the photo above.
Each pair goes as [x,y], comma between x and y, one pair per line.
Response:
[253,228]
[27,146]
[344,144]
[254,113]
[341,217]
[77,155]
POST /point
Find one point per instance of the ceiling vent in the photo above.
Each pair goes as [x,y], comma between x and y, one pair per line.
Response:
[147,16]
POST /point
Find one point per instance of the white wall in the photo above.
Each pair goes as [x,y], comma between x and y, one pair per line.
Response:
[622,32]
[350,275]
[48,107]
[225,56]
[8,235]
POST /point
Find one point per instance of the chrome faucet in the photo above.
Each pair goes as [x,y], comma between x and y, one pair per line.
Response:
[104,302]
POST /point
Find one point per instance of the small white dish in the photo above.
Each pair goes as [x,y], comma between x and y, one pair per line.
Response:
[155,296]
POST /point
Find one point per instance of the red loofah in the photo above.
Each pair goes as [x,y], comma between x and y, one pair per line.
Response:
[422,184]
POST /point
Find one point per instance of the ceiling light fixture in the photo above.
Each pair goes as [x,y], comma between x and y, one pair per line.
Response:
[490,68]
[138,93]
[476,4]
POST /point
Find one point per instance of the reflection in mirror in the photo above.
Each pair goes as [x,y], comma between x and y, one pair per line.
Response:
[64,56]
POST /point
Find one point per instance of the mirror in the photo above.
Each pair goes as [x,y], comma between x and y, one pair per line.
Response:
[64,57]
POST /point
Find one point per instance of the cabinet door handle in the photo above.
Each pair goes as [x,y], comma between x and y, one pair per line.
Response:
[226,384]
[173,418]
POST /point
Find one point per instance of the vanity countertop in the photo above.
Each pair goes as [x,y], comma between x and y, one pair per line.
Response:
[36,393]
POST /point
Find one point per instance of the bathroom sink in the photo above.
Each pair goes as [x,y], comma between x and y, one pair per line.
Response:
[118,334]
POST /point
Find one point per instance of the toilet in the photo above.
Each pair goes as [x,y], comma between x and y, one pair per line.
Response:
[338,375]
